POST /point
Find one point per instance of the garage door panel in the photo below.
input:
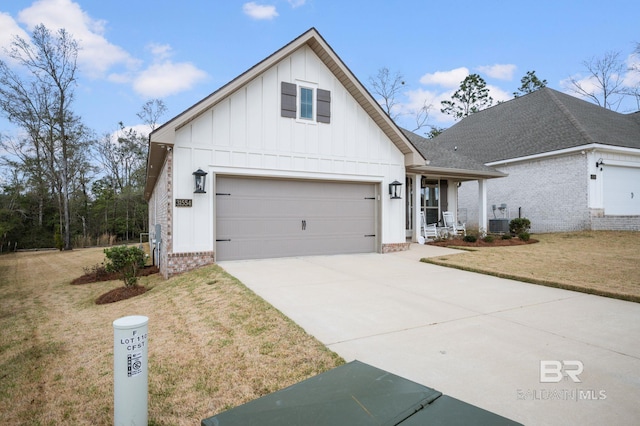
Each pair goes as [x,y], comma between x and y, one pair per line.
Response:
[262,218]
[621,190]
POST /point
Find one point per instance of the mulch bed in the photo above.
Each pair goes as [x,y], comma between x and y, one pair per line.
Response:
[117,294]
[120,293]
[99,276]
[498,242]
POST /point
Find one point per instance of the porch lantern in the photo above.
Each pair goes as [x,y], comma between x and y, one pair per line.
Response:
[200,178]
[394,190]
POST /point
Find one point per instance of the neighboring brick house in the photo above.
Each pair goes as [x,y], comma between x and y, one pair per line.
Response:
[571,165]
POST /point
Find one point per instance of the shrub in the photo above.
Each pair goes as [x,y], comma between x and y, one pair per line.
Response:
[470,238]
[125,260]
[506,237]
[98,271]
[58,240]
[488,239]
[524,236]
[519,225]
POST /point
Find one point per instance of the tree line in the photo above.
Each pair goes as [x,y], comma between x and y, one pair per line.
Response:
[62,186]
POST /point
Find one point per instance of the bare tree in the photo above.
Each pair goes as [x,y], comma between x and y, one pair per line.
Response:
[151,112]
[421,115]
[604,84]
[634,91]
[387,86]
[39,100]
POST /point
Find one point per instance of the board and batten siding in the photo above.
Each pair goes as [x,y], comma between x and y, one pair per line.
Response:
[244,134]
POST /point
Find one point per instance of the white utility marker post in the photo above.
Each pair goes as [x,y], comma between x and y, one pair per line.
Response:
[130,371]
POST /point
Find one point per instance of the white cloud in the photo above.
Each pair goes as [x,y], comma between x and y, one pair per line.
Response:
[451,78]
[96,55]
[296,3]
[9,28]
[498,71]
[498,94]
[164,77]
[259,12]
[632,77]
[420,97]
[160,51]
[167,78]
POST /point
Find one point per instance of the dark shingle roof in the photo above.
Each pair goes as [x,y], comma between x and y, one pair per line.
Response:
[440,157]
[543,121]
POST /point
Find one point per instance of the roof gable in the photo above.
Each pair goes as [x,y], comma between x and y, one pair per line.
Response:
[540,122]
[165,134]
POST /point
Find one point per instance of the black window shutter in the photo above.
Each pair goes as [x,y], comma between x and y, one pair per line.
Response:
[323,113]
[288,107]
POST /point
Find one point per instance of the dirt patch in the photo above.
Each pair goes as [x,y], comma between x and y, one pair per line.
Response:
[498,242]
[120,293]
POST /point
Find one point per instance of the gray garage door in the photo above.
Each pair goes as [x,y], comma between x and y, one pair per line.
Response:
[263,218]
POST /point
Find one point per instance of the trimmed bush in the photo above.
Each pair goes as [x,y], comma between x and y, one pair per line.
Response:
[488,239]
[125,260]
[470,238]
[506,237]
[519,225]
[524,236]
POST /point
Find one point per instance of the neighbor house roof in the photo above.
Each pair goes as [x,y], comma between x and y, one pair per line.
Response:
[544,121]
[447,163]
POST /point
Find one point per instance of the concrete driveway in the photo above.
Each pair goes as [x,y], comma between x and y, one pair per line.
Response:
[495,343]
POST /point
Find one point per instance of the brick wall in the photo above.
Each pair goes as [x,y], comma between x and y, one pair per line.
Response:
[615,223]
[183,262]
[550,192]
[395,247]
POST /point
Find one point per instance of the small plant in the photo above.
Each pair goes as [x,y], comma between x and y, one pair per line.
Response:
[524,236]
[98,271]
[470,238]
[519,225]
[58,240]
[125,260]
[488,239]
[506,237]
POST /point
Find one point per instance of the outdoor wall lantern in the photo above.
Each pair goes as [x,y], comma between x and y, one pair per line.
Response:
[599,163]
[200,178]
[394,190]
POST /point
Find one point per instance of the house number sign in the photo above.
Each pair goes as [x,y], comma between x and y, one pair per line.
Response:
[183,202]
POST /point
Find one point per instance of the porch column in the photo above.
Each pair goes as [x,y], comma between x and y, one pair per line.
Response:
[482,206]
[417,223]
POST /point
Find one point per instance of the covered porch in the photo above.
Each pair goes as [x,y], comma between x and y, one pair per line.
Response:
[432,188]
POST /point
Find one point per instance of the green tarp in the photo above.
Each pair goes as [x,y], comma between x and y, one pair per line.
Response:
[356,394]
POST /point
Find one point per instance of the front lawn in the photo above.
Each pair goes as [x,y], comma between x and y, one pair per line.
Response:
[213,343]
[599,262]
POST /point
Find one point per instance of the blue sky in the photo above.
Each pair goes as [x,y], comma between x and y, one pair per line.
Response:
[180,52]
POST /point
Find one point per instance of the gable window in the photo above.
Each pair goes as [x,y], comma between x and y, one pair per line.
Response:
[305,102]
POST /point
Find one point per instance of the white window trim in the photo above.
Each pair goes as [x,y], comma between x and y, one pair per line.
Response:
[314,87]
